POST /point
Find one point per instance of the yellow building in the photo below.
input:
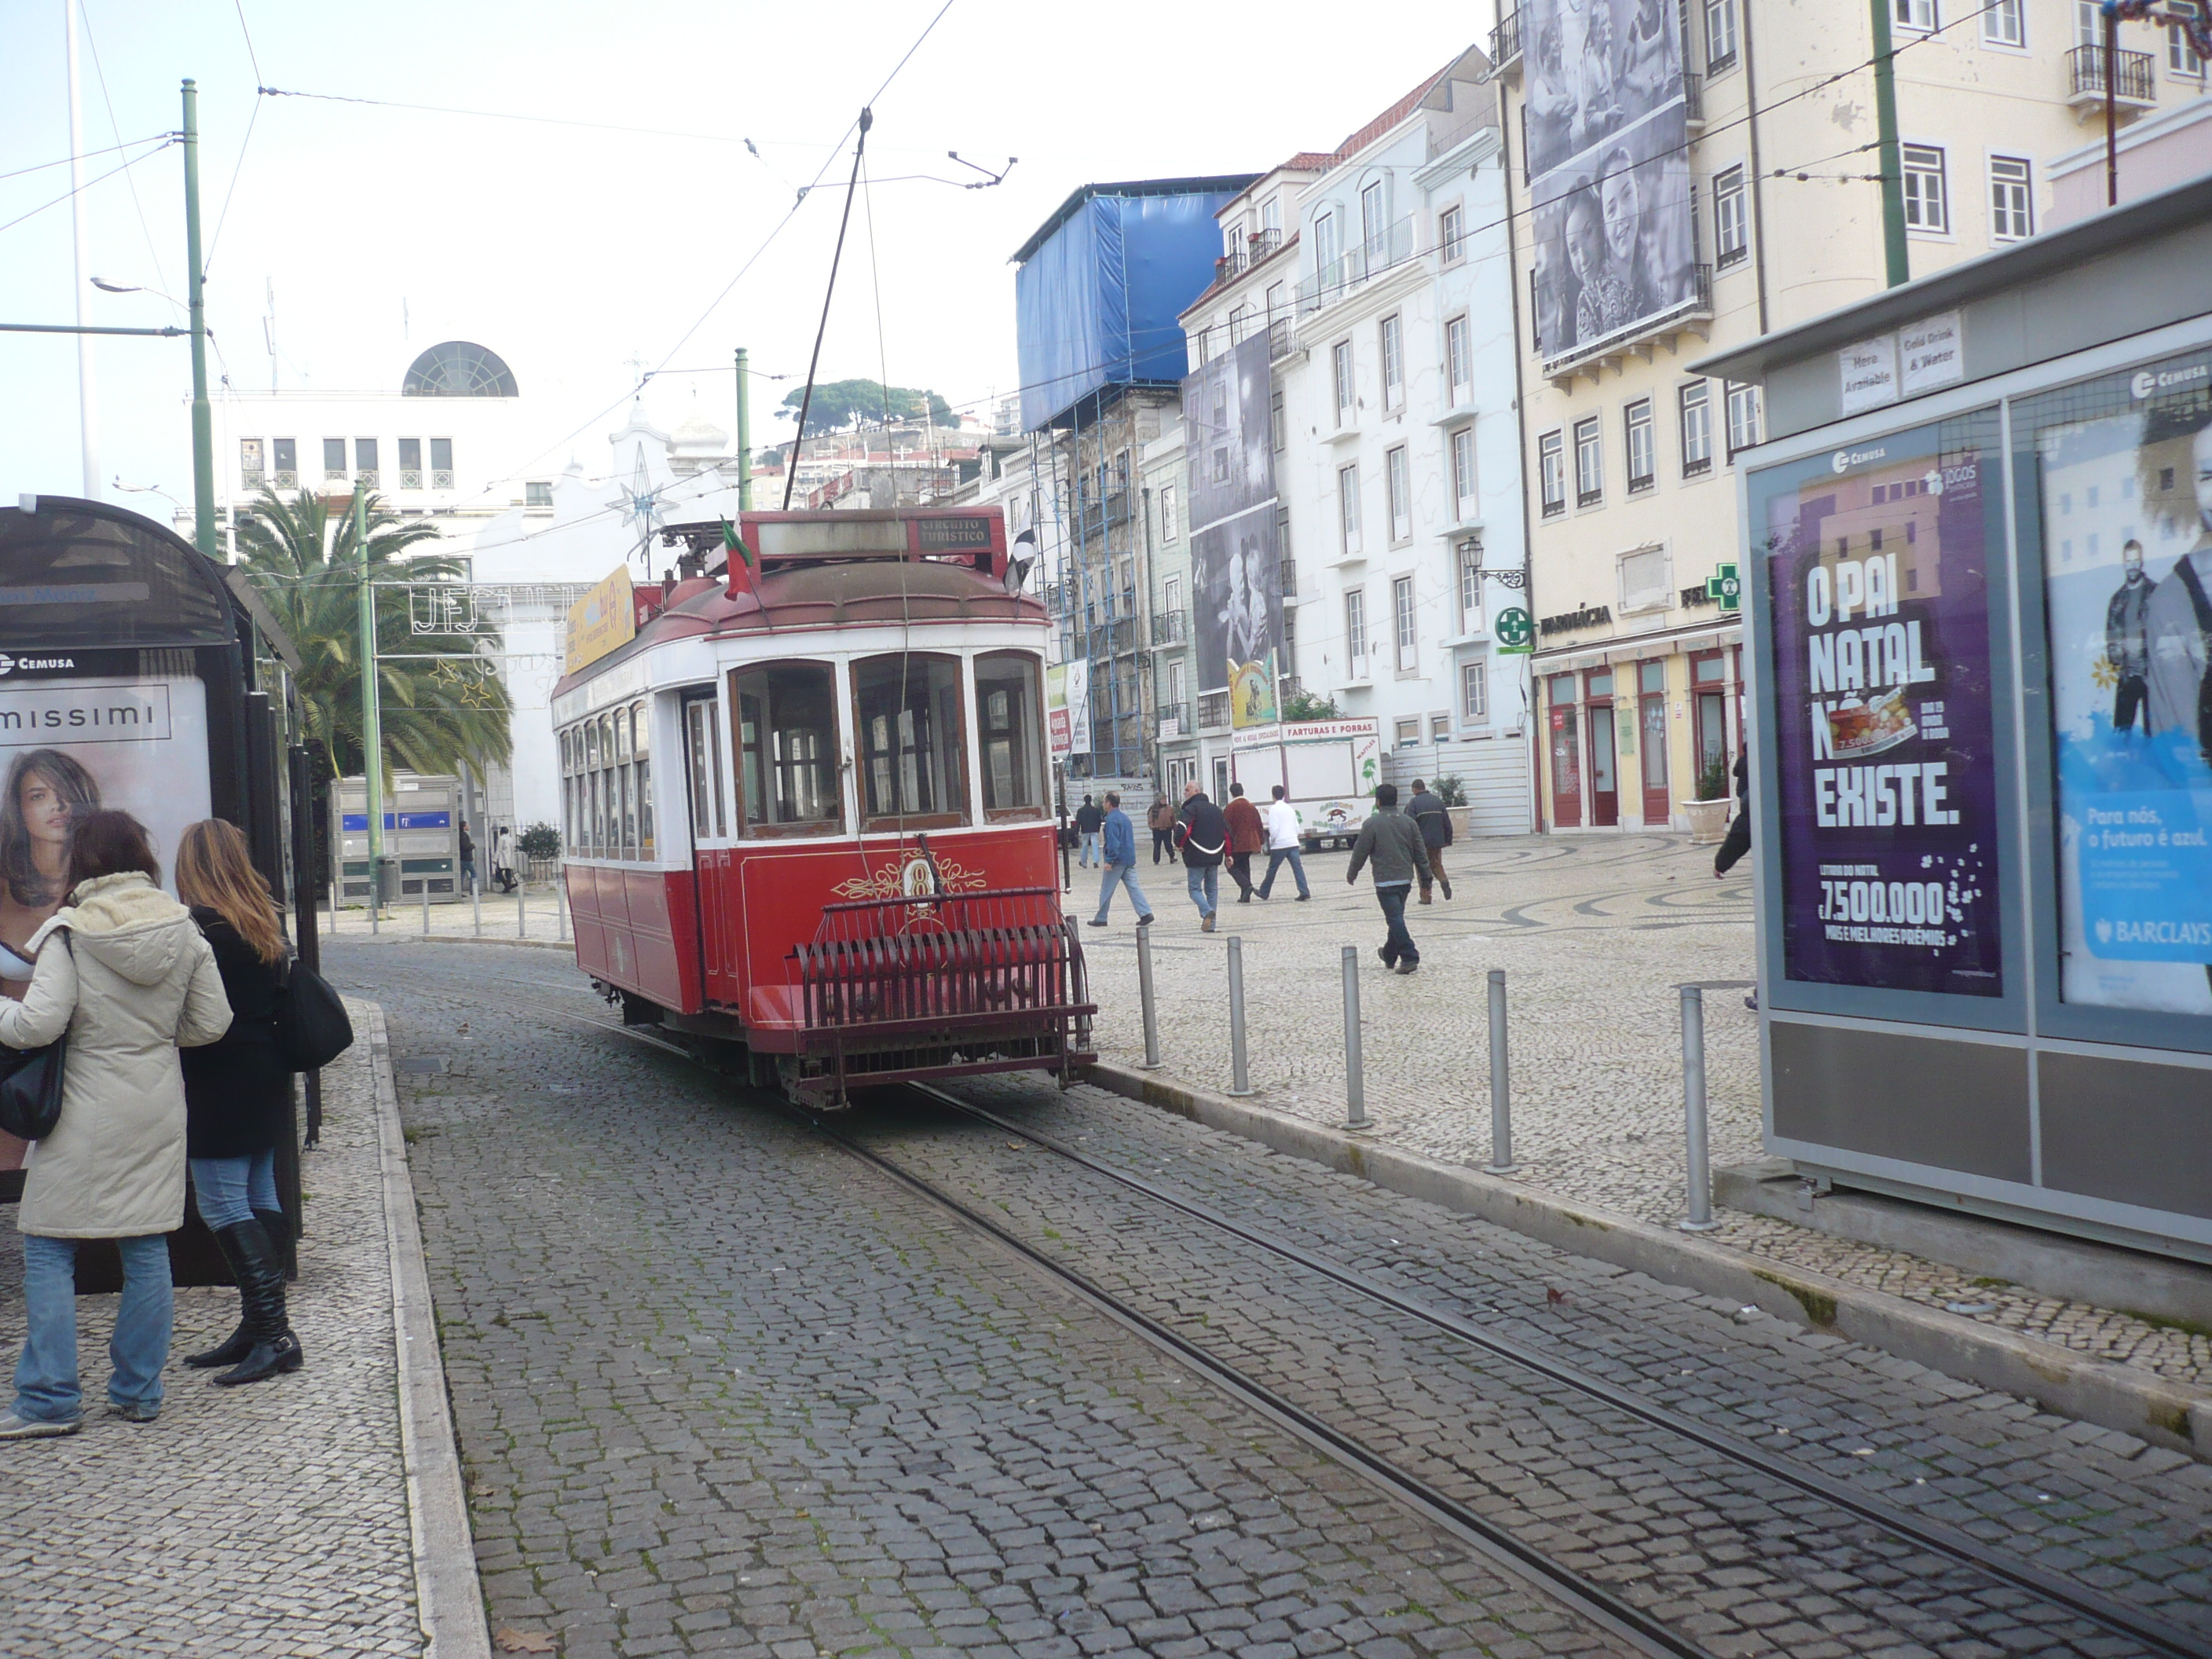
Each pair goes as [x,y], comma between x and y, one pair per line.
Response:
[1689,176]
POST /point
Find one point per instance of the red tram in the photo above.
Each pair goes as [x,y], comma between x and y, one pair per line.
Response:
[845,857]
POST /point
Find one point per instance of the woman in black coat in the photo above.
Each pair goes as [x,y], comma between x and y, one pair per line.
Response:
[238,1098]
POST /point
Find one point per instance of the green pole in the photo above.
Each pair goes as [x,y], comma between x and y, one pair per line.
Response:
[1898,262]
[372,719]
[203,418]
[745,434]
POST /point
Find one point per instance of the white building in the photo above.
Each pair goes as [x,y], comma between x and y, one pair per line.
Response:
[1380,270]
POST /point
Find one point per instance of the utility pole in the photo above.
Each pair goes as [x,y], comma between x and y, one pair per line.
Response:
[1899,263]
[372,721]
[88,413]
[202,420]
[744,433]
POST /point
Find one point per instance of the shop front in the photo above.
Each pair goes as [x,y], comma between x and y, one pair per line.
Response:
[1632,727]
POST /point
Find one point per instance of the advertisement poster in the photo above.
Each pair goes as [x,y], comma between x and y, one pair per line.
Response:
[2126,500]
[1236,559]
[1607,146]
[72,746]
[1887,783]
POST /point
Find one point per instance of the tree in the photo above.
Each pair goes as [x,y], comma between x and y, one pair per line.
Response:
[437,716]
[1303,705]
[841,403]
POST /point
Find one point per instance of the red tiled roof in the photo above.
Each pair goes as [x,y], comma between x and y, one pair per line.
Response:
[1389,119]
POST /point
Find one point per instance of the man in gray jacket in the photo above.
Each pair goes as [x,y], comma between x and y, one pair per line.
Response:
[1393,842]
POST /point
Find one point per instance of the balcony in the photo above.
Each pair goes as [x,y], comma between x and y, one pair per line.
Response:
[1506,43]
[1170,627]
[1693,100]
[1391,247]
[441,477]
[1257,246]
[284,477]
[1113,639]
[253,478]
[1280,341]
[1289,583]
[1177,720]
[1213,712]
[1686,316]
[2135,80]
[411,478]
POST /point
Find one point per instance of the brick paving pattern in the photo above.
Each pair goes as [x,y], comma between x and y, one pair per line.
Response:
[265,1520]
[721,1390]
[1595,934]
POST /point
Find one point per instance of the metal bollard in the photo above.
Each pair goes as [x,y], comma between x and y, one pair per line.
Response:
[1145,999]
[1501,1084]
[522,915]
[1355,1076]
[426,906]
[475,905]
[1240,1067]
[1693,1109]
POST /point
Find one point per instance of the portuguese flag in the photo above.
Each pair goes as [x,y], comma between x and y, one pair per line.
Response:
[745,569]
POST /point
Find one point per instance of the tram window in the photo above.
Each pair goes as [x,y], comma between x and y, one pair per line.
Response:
[703,766]
[645,809]
[628,775]
[786,743]
[914,767]
[590,745]
[620,718]
[1006,721]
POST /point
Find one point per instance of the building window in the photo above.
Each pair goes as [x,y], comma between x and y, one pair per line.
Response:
[1278,427]
[1470,585]
[1175,683]
[1589,463]
[1271,214]
[2002,23]
[1397,481]
[1448,237]
[1169,530]
[1720,35]
[1404,732]
[250,470]
[1355,631]
[1462,465]
[1475,691]
[1459,361]
[537,492]
[1697,431]
[364,456]
[2011,214]
[1743,419]
[334,465]
[2181,54]
[1347,507]
[1731,220]
[2088,23]
[1551,465]
[1171,594]
[1278,320]
[1237,330]
[1642,457]
[410,463]
[287,460]
[1327,249]
[1374,226]
[1288,665]
[1341,360]
[1403,613]
[1926,203]
[441,463]
[1915,15]
[1394,362]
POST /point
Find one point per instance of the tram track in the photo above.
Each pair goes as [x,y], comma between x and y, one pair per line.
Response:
[1644,1630]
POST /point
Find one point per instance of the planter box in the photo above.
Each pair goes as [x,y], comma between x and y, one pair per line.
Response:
[1709,820]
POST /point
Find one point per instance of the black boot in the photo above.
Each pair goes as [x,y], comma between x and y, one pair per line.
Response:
[240,1341]
[261,1279]
[279,1229]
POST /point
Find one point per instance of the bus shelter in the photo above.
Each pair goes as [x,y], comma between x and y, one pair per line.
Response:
[137,674]
[1979,598]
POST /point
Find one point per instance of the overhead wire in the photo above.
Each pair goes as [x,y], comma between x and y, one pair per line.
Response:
[165,143]
[115,126]
[86,155]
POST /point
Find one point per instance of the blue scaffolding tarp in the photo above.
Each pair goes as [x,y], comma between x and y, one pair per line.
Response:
[1101,284]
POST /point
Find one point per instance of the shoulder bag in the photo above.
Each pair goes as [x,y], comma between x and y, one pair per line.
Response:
[31,1083]
[311,1027]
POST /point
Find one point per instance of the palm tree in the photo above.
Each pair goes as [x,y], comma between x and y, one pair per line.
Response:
[437,716]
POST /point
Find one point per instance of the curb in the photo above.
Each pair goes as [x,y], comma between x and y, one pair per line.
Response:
[567,947]
[2178,1415]
[448,1596]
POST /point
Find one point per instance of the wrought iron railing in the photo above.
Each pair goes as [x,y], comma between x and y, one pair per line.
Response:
[2135,78]
[1212,710]
[1505,41]
[1390,246]
[1170,627]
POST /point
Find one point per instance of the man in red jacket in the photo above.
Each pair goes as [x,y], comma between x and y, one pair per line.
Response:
[1247,836]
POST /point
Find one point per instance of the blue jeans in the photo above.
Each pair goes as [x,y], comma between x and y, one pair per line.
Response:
[228,1190]
[1276,859]
[1204,881]
[45,1378]
[1399,946]
[1122,875]
[1089,855]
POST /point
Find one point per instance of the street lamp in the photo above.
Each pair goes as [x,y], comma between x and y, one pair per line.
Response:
[107,287]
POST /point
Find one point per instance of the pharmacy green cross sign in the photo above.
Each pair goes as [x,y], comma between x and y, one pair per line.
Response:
[1726,587]
[1514,629]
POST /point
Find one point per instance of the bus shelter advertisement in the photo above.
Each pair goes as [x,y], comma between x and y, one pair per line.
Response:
[2125,485]
[1888,786]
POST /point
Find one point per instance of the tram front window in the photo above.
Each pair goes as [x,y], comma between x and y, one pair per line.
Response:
[787,749]
[914,763]
[1009,728]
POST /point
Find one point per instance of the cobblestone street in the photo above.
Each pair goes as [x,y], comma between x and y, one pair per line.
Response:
[1595,933]
[718,1387]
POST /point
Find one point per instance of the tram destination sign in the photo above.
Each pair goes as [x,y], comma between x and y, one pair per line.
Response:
[953,535]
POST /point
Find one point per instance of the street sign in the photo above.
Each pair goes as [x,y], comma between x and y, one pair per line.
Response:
[1727,588]
[1514,630]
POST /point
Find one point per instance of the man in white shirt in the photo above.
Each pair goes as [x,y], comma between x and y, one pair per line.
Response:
[1282,825]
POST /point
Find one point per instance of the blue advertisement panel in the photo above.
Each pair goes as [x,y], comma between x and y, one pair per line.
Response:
[357,823]
[1877,576]
[2125,487]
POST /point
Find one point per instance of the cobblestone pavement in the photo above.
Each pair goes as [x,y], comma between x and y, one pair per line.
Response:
[1595,934]
[1744,1565]
[719,1388]
[263,1520]
[540,918]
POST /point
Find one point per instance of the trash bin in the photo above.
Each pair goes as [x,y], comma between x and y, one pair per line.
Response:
[387,880]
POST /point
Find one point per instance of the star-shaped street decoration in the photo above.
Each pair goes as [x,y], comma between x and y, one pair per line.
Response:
[640,503]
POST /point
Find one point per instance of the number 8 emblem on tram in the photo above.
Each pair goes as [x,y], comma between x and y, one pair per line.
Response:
[806,793]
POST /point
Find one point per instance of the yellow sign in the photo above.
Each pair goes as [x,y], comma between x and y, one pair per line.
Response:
[1252,693]
[604,620]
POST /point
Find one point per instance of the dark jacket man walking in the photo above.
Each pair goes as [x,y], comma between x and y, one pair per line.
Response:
[1246,836]
[1161,821]
[1394,842]
[1203,835]
[1433,818]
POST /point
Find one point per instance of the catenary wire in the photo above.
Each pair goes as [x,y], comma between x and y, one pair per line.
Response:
[115,126]
[104,150]
[88,185]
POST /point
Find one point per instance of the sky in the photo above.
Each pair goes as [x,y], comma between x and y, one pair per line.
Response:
[586,257]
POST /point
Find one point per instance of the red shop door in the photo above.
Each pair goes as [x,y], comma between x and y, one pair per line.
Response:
[1566,755]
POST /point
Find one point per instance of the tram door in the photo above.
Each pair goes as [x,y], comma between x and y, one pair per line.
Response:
[1604,749]
[714,884]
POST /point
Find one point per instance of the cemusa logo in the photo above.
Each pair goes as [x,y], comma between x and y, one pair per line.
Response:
[9,664]
[2145,382]
[1845,459]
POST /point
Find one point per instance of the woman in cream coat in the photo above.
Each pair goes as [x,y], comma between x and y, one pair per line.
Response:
[123,971]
